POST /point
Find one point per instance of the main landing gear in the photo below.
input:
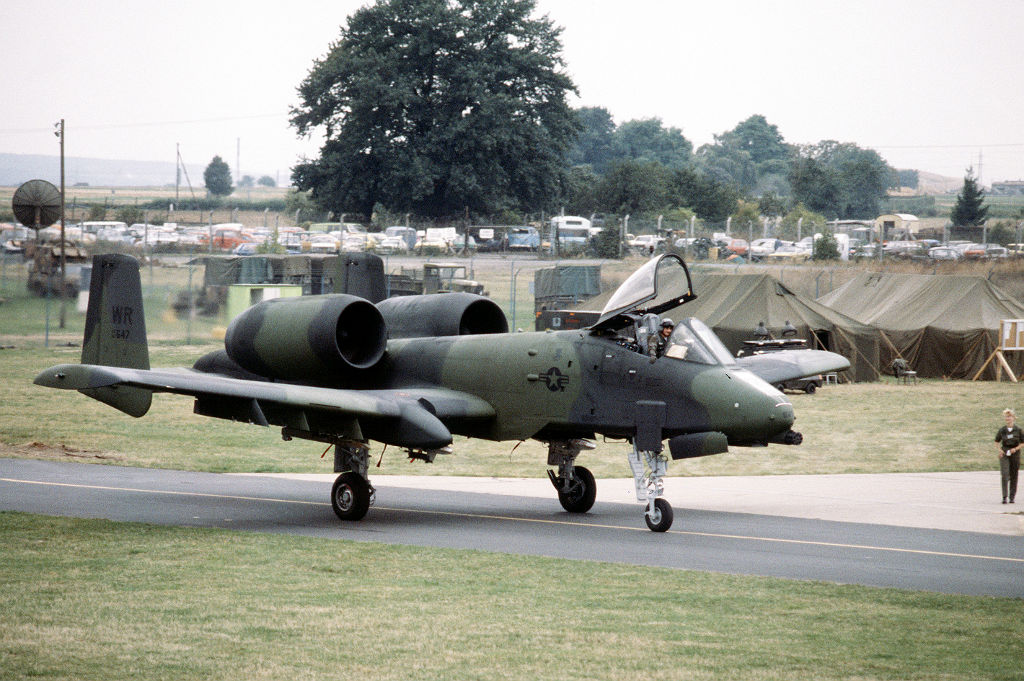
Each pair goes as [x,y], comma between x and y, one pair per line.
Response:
[648,470]
[576,486]
[352,494]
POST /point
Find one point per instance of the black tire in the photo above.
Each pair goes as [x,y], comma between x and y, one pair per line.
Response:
[350,496]
[662,519]
[810,388]
[582,493]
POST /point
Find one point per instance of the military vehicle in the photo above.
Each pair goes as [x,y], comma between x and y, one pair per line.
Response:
[44,267]
[432,277]
[412,371]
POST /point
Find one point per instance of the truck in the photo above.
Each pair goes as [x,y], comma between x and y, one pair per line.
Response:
[432,278]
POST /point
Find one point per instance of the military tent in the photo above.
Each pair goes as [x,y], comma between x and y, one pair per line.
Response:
[734,304]
[942,325]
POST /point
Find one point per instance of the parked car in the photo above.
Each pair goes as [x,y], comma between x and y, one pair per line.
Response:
[391,245]
[738,246]
[647,243]
[944,253]
[323,243]
[808,384]
[788,254]
[523,239]
[759,248]
[974,252]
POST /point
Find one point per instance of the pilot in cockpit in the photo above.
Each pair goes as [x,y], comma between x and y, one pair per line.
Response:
[656,343]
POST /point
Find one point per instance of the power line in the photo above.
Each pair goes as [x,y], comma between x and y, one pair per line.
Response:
[117,126]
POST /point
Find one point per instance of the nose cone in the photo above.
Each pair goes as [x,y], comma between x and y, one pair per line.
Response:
[782,412]
[744,407]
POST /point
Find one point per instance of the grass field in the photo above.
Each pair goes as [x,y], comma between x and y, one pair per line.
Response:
[85,599]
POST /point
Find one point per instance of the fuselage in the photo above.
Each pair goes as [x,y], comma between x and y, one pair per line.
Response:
[565,384]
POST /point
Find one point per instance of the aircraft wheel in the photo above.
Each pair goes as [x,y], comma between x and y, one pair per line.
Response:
[660,519]
[582,492]
[350,496]
[810,388]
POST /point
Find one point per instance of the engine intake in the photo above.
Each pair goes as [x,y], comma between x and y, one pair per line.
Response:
[442,314]
[307,337]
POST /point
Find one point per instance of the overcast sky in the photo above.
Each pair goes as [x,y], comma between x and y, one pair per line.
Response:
[937,86]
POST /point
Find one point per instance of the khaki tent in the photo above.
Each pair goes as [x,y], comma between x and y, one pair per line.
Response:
[943,326]
[734,304]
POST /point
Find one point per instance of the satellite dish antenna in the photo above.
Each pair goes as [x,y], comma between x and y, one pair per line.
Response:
[36,204]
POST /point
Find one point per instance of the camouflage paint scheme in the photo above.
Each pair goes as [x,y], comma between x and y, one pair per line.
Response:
[324,368]
[414,392]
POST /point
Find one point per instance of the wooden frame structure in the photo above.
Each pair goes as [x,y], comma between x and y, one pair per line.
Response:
[1011,339]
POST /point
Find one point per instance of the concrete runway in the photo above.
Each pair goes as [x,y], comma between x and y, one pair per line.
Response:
[905,531]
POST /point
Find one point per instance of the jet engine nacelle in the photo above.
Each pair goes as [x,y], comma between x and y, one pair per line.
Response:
[442,314]
[308,337]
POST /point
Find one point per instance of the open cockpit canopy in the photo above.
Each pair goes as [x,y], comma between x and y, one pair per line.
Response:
[661,284]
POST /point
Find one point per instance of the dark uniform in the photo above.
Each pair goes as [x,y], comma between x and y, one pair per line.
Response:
[1008,438]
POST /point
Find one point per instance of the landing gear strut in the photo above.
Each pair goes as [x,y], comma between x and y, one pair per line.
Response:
[352,494]
[576,486]
[648,470]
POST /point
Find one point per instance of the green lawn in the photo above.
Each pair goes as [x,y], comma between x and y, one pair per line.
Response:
[86,599]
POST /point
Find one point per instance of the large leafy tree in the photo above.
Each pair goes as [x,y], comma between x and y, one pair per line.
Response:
[217,177]
[434,106]
[969,209]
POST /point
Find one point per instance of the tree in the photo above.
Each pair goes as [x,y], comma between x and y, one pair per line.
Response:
[825,247]
[217,177]
[648,140]
[436,106]
[710,199]
[596,144]
[840,180]
[266,181]
[750,155]
[634,186]
[969,209]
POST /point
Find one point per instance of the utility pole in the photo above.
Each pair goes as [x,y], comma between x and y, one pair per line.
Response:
[63,245]
[177,170]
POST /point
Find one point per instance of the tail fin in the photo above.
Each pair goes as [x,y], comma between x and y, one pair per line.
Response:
[115,329]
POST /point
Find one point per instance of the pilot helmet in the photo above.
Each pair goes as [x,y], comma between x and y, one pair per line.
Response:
[667,322]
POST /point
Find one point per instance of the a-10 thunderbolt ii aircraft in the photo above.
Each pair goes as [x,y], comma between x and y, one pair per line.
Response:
[413,371]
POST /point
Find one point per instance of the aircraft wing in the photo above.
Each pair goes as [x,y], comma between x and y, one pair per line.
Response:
[406,417]
[785,365]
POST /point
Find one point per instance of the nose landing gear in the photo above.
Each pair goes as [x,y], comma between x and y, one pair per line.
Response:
[648,470]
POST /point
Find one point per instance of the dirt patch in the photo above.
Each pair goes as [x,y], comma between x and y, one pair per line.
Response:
[42,450]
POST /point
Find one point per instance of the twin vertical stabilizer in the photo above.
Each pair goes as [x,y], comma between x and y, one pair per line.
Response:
[115,329]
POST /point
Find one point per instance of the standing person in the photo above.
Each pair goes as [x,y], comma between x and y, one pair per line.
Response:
[1009,440]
